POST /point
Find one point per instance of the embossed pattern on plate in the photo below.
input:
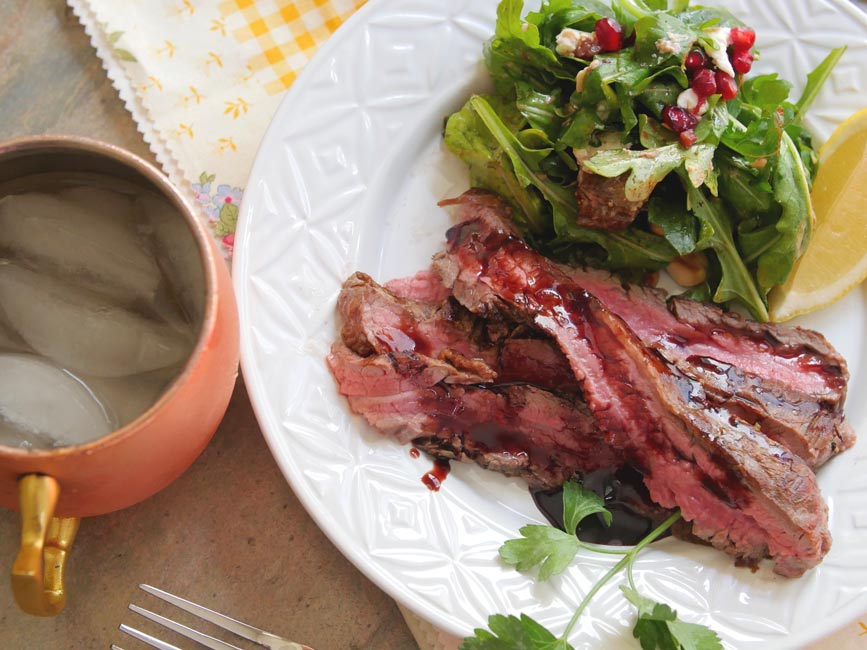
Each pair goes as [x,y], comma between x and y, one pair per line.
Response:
[347,178]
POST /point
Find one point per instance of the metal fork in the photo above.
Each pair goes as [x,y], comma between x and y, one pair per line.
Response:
[248,632]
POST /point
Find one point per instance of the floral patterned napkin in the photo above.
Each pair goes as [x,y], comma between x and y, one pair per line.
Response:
[202,79]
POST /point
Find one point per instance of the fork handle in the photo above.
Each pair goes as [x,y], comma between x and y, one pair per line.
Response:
[38,571]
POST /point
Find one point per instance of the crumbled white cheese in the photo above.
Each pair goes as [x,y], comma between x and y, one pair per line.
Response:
[579,78]
[688,100]
[525,27]
[603,110]
[670,44]
[721,37]
[570,39]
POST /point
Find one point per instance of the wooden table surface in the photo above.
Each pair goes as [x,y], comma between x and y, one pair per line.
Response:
[229,533]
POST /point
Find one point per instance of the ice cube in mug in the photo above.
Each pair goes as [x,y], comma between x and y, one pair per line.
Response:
[44,406]
[85,332]
[89,233]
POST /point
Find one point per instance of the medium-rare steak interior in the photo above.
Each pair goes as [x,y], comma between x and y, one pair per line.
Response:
[531,368]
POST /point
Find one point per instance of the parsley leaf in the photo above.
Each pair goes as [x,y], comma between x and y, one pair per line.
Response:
[659,627]
[513,633]
[550,549]
[578,503]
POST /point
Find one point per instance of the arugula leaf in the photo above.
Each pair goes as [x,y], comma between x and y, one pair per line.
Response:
[554,15]
[658,95]
[628,12]
[759,139]
[744,188]
[631,248]
[651,133]
[703,17]
[674,71]
[714,123]
[524,161]
[792,192]
[678,225]
[490,168]
[663,27]
[517,53]
[658,627]
[513,633]
[647,167]
[736,282]
[579,133]
[540,109]
[766,91]
[816,79]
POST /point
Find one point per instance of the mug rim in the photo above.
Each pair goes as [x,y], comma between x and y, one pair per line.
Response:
[47,144]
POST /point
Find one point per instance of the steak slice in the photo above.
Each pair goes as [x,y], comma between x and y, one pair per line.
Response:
[516,429]
[788,381]
[424,286]
[742,492]
[375,320]
[602,202]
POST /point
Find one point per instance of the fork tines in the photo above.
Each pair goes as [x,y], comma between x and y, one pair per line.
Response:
[243,630]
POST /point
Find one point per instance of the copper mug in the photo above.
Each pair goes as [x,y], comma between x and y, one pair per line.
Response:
[54,488]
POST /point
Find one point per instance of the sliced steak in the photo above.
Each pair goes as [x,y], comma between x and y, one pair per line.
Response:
[517,429]
[742,492]
[375,320]
[788,381]
[424,286]
[602,202]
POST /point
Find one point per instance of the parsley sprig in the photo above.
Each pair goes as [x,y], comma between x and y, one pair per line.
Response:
[552,551]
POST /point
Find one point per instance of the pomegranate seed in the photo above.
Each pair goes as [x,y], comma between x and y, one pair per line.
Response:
[609,33]
[687,138]
[726,85]
[678,119]
[704,83]
[742,61]
[742,38]
[695,60]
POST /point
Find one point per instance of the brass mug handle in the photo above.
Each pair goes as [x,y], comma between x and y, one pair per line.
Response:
[37,575]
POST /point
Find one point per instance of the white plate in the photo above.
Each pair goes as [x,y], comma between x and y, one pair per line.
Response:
[347,178]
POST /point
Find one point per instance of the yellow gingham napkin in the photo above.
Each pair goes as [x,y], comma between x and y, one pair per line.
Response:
[202,79]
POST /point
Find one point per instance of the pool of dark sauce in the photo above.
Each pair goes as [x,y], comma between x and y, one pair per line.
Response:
[633,513]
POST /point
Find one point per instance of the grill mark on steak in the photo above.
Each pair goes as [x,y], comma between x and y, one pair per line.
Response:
[645,405]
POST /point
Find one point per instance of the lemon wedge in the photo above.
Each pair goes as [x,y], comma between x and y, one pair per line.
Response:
[835,262]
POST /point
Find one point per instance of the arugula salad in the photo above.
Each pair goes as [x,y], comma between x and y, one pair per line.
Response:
[629,137]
